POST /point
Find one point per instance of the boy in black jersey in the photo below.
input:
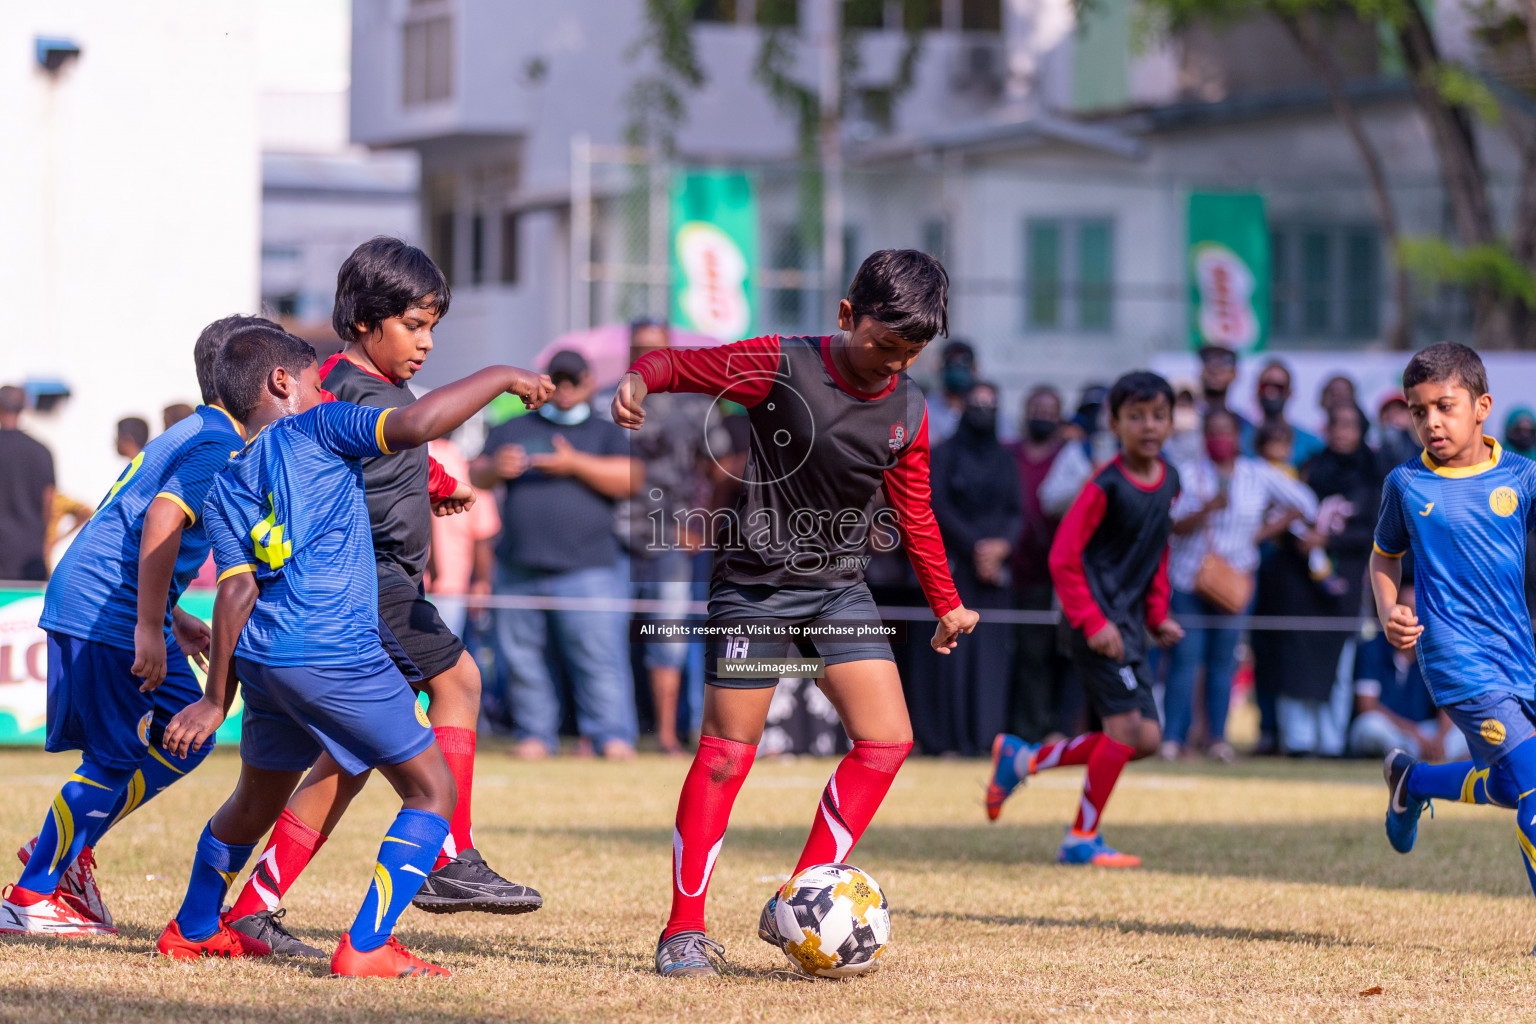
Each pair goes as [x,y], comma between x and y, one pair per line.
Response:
[1109,563]
[834,420]
[389,297]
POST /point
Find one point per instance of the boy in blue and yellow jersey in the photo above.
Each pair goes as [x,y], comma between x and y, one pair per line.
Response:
[117,654]
[296,617]
[1464,507]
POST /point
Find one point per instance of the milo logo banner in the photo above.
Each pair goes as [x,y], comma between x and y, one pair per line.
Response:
[1228,270]
[714,242]
[24,666]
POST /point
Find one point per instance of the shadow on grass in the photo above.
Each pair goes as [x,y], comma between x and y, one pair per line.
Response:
[1136,926]
[1464,856]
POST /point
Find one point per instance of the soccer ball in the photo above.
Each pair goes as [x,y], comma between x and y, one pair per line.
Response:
[834,921]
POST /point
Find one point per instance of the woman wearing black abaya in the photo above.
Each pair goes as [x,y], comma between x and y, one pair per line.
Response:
[964,704]
[1307,663]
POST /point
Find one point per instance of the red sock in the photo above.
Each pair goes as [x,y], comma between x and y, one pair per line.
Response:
[1076,750]
[703,810]
[458,747]
[850,801]
[1104,765]
[292,846]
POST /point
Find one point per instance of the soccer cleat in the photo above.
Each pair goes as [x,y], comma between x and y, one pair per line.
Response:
[391,960]
[263,934]
[1005,776]
[222,943]
[689,955]
[768,924]
[467,883]
[1091,850]
[24,912]
[1402,810]
[77,886]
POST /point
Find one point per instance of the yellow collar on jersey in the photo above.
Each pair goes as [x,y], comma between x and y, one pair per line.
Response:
[1459,472]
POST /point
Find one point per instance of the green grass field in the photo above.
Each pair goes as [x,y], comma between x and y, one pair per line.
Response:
[1269,894]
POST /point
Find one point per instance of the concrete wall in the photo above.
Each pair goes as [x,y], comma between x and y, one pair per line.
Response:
[129,208]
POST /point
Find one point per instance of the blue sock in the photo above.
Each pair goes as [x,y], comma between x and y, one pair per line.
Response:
[155,773]
[406,855]
[214,868]
[87,797]
[1459,780]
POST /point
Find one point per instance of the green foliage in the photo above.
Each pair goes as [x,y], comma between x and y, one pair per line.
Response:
[655,101]
[1435,261]
[1461,88]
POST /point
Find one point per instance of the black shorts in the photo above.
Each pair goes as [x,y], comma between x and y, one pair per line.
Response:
[1114,687]
[731,602]
[415,636]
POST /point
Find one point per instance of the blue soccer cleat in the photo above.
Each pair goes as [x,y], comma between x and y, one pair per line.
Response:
[1005,773]
[1402,810]
[1093,851]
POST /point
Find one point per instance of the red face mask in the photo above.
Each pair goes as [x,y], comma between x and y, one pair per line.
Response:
[1221,448]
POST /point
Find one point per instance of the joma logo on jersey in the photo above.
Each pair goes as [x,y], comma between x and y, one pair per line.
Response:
[898,436]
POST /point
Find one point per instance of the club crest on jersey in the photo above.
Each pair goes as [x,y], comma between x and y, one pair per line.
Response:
[1504,501]
[898,436]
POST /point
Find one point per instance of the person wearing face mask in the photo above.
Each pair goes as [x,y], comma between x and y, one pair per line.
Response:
[562,471]
[1218,372]
[1226,499]
[957,375]
[1186,442]
[1273,392]
[977,505]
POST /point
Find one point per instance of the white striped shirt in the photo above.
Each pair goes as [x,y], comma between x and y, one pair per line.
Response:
[1256,488]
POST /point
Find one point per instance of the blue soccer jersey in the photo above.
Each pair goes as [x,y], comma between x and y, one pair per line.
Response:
[290,508]
[94,592]
[1467,528]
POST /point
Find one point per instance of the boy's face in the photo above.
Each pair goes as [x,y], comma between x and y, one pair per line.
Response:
[1448,420]
[1143,427]
[399,345]
[874,352]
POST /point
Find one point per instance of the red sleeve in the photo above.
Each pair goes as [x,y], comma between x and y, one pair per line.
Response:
[910,494]
[743,371]
[1157,594]
[1067,573]
[440,484]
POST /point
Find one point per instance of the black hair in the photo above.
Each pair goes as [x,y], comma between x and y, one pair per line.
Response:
[1447,361]
[1277,364]
[12,400]
[1268,432]
[135,429]
[382,278]
[1217,414]
[248,359]
[906,290]
[1350,407]
[210,342]
[1138,386]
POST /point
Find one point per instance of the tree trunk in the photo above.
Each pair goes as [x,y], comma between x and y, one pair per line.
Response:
[1304,32]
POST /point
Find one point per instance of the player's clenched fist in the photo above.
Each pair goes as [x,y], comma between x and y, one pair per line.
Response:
[627,408]
[533,388]
[1403,627]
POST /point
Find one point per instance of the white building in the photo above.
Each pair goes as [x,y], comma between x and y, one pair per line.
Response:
[130,207]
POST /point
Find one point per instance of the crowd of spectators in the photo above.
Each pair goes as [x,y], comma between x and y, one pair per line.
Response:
[571,509]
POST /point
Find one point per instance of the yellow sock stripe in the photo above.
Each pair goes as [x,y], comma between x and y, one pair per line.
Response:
[229,877]
[77,777]
[385,887]
[135,797]
[64,825]
[392,839]
[159,757]
[1527,849]
[1469,785]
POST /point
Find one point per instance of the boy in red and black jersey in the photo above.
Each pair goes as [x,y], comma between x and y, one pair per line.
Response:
[834,420]
[1109,563]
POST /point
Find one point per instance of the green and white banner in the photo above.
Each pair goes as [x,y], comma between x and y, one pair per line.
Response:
[24,666]
[714,244]
[1228,270]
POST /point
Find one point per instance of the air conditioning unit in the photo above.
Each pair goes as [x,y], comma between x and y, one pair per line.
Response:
[979,67]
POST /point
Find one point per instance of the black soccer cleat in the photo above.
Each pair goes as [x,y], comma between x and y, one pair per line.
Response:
[263,934]
[466,883]
[689,955]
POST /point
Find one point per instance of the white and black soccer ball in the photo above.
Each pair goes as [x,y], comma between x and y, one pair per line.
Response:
[834,921]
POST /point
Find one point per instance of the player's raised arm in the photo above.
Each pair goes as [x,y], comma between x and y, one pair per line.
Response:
[742,371]
[445,409]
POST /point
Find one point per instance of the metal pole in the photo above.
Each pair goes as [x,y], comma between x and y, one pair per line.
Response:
[581,232]
[830,16]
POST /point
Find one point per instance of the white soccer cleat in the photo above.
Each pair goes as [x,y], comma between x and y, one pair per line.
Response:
[77,885]
[24,912]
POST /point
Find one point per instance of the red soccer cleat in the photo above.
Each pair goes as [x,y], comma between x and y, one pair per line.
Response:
[24,912]
[77,886]
[222,943]
[390,960]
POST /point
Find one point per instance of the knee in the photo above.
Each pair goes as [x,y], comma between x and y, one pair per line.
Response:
[440,794]
[462,681]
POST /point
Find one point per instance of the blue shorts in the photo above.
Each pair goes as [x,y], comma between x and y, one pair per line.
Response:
[94,703]
[1494,724]
[364,716]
